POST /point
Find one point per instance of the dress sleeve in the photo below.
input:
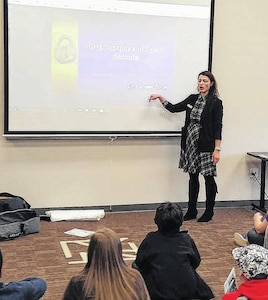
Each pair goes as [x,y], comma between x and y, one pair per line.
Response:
[178,107]
[218,115]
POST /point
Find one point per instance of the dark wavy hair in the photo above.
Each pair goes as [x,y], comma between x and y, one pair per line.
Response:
[213,91]
[168,217]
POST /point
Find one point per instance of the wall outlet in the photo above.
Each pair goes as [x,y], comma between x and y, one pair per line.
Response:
[253,172]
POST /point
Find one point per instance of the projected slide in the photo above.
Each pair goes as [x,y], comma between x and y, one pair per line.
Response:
[89,66]
[100,61]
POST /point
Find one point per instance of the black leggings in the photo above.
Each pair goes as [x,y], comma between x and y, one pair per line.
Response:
[209,181]
[255,238]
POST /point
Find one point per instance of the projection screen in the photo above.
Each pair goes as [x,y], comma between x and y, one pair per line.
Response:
[86,68]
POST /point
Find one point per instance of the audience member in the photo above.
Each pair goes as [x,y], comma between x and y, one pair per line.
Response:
[252,260]
[32,288]
[256,234]
[168,259]
[106,276]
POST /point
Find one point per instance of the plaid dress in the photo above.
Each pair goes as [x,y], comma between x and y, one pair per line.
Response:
[191,160]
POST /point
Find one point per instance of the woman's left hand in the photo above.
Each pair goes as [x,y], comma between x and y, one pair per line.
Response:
[215,156]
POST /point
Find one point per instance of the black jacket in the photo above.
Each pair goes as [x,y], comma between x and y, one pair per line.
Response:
[168,265]
[211,121]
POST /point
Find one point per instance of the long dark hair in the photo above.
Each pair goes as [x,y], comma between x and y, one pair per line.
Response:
[213,91]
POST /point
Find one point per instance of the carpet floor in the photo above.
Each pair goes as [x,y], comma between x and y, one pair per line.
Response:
[56,256]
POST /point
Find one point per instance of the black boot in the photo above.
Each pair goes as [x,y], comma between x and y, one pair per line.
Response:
[193,195]
[211,190]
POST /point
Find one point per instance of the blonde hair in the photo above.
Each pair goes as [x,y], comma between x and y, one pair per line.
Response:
[106,276]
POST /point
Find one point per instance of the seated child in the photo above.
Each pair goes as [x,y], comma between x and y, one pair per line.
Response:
[254,235]
[32,288]
[252,261]
[106,275]
[168,259]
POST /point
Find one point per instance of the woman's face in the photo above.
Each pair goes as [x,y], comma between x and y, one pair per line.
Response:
[204,84]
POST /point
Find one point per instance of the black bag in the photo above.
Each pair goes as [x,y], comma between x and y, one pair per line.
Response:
[12,202]
[16,217]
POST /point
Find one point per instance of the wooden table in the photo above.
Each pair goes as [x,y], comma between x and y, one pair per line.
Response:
[263,156]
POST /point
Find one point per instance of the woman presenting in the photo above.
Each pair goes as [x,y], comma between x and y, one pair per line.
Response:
[200,141]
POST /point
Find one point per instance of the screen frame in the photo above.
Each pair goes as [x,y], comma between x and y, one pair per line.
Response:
[10,134]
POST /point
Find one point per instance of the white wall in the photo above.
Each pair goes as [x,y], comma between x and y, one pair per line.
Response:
[65,173]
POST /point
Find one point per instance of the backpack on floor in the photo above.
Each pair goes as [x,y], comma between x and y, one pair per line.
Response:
[12,202]
[16,217]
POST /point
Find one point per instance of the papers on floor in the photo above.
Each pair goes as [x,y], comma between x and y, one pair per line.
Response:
[230,282]
[73,215]
[79,232]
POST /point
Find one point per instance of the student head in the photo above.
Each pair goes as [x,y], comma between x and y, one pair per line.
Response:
[104,248]
[106,272]
[252,260]
[168,217]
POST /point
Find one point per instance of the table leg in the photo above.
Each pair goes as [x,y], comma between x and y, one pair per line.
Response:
[262,193]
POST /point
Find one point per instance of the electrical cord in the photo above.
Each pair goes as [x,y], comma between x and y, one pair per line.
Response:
[258,181]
